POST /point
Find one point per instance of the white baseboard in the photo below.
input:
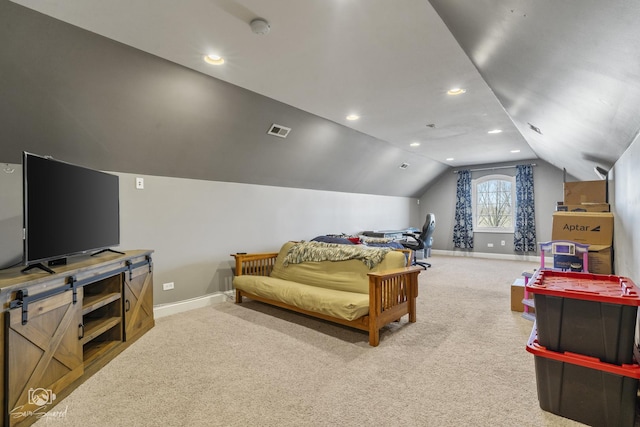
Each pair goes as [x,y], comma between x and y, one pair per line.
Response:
[163,310]
[510,257]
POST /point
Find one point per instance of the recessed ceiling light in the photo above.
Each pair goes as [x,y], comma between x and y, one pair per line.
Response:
[353,117]
[456,91]
[515,151]
[414,144]
[448,159]
[214,59]
[495,131]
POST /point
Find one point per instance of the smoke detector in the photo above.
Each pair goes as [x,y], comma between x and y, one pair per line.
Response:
[260,26]
[404,166]
[278,130]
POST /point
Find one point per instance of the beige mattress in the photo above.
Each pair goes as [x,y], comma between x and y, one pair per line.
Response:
[342,304]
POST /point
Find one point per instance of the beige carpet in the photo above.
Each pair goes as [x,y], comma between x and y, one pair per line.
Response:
[462,364]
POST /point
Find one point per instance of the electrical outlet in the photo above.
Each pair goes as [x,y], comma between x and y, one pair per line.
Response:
[167,286]
[502,243]
[140,183]
[489,245]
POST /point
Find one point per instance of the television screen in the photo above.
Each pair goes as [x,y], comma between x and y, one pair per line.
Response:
[68,209]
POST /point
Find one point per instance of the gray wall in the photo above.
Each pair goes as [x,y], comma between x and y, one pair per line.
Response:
[194,225]
[10,214]
[440,199]
[624,195]
[77,96]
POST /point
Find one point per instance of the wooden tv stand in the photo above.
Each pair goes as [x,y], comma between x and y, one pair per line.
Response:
[59,329]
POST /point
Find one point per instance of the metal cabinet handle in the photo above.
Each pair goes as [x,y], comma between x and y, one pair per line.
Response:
[81,328]
[127,305]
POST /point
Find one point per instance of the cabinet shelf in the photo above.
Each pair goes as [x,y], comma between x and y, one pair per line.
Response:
[95,327]
[94,302]
[94,349]
[43,349]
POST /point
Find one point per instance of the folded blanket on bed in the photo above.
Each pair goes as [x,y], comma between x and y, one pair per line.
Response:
[318,251]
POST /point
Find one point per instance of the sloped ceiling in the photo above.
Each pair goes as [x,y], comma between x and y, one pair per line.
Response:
[122,104]
[568,68]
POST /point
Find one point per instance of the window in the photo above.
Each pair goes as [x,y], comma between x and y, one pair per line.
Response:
[493,201]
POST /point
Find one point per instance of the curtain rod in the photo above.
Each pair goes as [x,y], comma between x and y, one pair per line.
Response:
[494,168]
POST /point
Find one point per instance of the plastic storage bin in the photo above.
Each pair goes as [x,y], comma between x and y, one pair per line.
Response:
[589,314]
[585,389]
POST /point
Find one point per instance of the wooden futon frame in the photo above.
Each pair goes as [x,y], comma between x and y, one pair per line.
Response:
[392,294]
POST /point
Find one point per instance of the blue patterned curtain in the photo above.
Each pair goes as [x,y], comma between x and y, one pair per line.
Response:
[463,227]
[524,238]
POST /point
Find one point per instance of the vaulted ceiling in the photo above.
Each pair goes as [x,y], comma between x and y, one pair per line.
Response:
[559,79]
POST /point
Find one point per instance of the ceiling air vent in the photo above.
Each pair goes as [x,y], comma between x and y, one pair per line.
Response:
[277,130]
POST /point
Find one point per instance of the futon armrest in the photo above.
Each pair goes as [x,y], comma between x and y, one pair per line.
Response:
[406,278]
[392,293]
[381,275]
[258,264]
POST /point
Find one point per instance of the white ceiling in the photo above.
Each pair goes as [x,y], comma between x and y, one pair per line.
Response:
[391,62]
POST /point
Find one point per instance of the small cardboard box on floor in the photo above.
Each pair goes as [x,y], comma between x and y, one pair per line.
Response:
[517,295]
[593,228]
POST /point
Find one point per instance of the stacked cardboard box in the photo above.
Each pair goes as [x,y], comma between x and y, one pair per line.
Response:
[584,207]
[586,192]
[593,228]
[584,196]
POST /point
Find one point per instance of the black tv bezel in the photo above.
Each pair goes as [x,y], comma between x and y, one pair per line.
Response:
[32,262]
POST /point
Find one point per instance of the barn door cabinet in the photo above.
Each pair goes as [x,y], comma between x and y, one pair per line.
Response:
[59,329]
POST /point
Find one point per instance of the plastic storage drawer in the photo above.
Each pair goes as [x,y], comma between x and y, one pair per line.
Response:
[589,314]
[585,389]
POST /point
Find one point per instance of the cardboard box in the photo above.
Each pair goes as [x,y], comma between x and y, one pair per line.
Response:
[517,295]
[594,228]
[585,207]
[576,193]
[600,259]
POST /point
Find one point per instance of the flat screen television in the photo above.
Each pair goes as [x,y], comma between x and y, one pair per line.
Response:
[68,210]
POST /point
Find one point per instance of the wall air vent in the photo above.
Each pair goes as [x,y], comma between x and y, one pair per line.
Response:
[535,128]
[277,130]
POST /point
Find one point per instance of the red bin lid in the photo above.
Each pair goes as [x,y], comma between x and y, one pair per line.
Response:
[533,346]
[585,286]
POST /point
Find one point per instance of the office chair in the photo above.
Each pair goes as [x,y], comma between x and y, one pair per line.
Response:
[421,241]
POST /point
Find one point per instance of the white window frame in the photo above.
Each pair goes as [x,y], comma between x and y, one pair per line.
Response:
[475,210]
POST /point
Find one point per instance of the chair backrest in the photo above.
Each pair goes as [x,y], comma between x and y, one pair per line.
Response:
[427,230]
